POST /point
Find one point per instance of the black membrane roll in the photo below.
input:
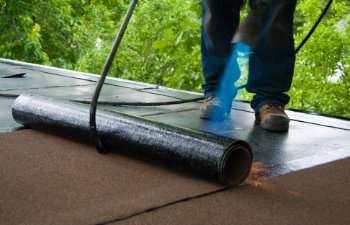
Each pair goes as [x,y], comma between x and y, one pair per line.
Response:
[222,159]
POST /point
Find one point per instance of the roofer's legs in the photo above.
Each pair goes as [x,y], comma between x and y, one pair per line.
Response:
[271,66]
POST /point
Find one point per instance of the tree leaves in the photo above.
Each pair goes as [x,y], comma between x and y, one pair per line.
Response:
[319,85]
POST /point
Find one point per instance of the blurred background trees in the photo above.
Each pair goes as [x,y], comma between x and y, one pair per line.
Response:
[162,44]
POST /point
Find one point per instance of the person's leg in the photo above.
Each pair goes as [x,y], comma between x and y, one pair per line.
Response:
[271,66]
[220,20]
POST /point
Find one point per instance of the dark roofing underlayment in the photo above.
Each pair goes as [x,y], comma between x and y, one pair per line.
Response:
[53,180]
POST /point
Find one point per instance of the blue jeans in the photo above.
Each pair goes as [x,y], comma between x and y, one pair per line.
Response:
[271,65]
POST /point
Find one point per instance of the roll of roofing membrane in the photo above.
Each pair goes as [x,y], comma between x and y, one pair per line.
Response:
[223,159]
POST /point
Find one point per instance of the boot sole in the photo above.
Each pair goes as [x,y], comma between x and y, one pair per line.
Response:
[273,127]
[278,124]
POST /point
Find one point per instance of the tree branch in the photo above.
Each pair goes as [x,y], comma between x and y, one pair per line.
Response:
[14,25]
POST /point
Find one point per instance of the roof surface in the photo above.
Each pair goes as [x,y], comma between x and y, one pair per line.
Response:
[312,139]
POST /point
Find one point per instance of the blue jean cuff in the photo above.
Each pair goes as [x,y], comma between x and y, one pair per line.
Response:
[264,102]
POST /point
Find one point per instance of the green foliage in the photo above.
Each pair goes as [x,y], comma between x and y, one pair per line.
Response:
[168,33]
[322,74]
[21,32]
[162,44]
[52,32]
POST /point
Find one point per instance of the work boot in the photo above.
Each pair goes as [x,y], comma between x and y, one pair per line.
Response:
[273,118]
[214,109]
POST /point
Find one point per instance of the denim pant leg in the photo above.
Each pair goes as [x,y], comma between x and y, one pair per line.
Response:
[271,66]
[220,20]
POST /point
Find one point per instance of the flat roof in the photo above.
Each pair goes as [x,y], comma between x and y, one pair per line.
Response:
[313,139]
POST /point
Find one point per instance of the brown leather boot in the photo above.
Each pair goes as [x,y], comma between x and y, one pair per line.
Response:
[214,109]
[273,118]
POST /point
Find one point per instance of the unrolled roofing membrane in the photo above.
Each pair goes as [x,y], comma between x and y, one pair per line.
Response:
[194,152]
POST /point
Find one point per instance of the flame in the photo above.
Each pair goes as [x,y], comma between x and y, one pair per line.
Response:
[257,174]
[258,178]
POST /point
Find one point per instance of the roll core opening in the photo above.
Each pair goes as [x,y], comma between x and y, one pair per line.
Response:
[237,164]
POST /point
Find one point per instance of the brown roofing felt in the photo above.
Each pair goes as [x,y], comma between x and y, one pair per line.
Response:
[46,179]
[319,195]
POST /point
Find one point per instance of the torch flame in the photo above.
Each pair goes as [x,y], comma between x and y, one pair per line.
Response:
[257,174]
[258,178]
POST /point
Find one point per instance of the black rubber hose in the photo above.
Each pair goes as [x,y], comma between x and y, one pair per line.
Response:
[314,27]
[103,75]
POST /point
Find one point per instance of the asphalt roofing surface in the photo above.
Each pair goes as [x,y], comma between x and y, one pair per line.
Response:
[312,139]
